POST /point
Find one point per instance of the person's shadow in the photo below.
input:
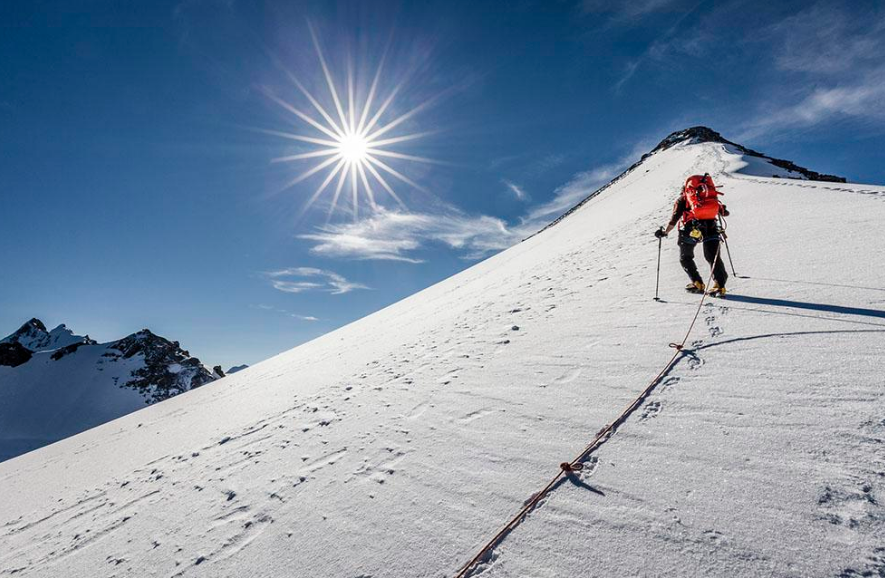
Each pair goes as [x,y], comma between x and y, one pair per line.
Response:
[803,305]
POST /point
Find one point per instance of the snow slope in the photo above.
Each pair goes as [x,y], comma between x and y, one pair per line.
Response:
[397,445]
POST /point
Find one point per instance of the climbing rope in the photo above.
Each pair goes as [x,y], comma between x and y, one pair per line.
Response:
[577,464]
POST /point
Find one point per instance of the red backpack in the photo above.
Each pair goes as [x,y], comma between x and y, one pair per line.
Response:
[700,195]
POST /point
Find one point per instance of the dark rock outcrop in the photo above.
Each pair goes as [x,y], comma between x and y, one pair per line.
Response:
[14,354]
[168,370]
[68,349]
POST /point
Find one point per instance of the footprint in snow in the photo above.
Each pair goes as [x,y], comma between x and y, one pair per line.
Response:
[652,409]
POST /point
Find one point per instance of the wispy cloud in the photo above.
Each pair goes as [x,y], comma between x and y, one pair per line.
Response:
[827,39]
[517,191]
[832,68]
[285,312]
[669,44]
[630,11]
[304,317]
[303,279]
[862,99]
[570,194]
[396,235]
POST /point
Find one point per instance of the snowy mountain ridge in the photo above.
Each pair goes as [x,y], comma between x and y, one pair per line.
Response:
[34,337]
[397,445]
[54,384]
[703,134]
[765,165]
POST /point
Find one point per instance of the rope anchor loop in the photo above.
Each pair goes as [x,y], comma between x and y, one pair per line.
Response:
[570,467]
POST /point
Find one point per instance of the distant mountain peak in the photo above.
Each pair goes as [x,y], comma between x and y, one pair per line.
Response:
[34,323]
[33,336]
[702,134]
[693,135]
[56,384]
[168,369]
[32,327]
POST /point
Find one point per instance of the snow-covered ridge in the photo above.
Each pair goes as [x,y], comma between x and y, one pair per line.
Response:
[778,168]
[34,337]
[397,445]
[702,134]
[54,384]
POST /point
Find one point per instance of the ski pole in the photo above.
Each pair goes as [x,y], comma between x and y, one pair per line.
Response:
[728,252]
[658,275]
[725,240]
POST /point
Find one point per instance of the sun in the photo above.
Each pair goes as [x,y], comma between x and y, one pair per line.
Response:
[350,142]
[353,148]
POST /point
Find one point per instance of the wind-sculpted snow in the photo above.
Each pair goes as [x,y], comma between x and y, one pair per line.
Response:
[396,446]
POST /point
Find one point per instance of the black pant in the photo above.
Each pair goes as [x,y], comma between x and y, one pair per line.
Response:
[710,238]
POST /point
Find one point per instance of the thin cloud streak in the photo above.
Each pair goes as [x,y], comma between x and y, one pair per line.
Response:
[517,191]
[839,63]
[303,279]
[285,312]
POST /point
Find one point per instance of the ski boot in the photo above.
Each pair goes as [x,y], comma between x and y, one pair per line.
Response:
[717,291]
[696,287]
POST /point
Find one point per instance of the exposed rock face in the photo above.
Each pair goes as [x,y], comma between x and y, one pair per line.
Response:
[14,354]
[168,369]
[237,368]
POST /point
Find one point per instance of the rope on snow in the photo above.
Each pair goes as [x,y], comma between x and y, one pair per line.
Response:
[577,464]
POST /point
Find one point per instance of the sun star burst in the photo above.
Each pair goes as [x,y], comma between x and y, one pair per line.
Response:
[346,144]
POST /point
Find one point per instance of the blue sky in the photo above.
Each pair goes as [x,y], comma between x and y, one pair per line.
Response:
[137,147]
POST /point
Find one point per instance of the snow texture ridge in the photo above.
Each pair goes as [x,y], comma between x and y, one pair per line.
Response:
[397,445]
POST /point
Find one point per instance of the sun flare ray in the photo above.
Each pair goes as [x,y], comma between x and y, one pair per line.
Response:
[384,184]
[310,155]
[310,172]
[328,75]
[323,186]
[341,178]
[369,193]
[316,105]
[305,117]
[396,174]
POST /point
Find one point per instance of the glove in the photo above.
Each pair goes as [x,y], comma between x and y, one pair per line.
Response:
[660,234]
